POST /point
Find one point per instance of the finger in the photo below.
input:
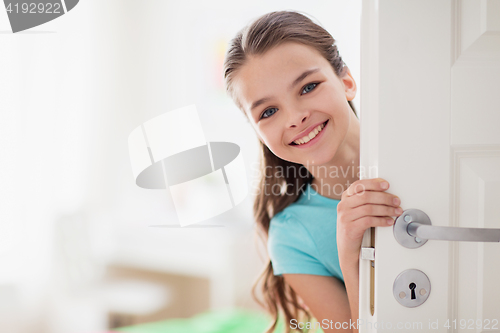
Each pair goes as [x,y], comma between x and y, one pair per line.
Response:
[373,221]
[374,210]
[361,185]
[373,197]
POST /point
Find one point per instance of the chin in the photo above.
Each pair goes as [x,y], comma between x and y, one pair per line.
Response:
[316,161]
[319,157]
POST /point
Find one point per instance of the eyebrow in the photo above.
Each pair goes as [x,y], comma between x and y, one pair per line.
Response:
[294,83]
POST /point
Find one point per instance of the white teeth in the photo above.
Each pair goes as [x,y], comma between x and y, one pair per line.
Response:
[311,135]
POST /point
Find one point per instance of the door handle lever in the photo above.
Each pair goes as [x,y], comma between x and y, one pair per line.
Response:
[424,231]
[413,228]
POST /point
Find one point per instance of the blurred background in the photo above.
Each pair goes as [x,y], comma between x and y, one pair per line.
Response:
[82,248]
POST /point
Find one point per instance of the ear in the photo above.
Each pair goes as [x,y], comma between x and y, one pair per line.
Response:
[349,85]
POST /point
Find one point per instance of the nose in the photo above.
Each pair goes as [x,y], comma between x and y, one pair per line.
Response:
[297,117]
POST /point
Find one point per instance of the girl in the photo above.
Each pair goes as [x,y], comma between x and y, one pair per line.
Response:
[285,74]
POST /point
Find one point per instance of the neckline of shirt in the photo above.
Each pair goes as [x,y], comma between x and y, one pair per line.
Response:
[312,193]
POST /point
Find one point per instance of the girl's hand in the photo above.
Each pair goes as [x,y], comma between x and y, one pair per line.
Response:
[363,205]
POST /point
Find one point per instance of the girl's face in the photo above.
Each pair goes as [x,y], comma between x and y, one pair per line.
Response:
[291,92]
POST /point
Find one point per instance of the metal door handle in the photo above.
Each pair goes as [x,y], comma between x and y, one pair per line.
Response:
[413,228]
[423,231]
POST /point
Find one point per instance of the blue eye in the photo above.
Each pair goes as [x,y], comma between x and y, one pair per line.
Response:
[266,115]
[307,88]
[309,85]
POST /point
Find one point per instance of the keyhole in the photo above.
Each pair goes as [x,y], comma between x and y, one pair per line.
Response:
[412,287]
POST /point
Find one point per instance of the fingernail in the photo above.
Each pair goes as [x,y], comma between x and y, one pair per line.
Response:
[390,221]
[384,185]
[399,210]
[396,201]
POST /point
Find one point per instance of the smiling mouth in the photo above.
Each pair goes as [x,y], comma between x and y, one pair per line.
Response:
[324,124]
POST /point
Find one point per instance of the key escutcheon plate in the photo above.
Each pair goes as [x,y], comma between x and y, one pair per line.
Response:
[402,283]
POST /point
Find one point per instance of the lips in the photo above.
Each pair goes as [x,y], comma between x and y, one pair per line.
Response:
[307,132]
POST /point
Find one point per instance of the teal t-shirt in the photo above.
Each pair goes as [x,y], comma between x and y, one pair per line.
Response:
[303,237]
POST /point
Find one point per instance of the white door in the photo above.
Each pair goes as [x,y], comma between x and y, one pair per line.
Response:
[430,125]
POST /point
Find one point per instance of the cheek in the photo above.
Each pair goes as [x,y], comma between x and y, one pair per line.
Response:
[271,138]
[330,95]
[338,108]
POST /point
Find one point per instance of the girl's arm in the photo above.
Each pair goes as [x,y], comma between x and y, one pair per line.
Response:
[350,271]
[326,298]
[363,205]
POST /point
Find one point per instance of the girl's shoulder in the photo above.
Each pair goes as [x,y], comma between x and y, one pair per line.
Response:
[303,223]
[292,247]
[287,227]
[288,218]
[285,217]
[320,210]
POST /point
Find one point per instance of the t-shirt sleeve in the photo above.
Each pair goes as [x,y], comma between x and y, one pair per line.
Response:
[291,247]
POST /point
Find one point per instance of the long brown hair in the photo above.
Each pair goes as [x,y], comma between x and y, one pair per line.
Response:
[266,32]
